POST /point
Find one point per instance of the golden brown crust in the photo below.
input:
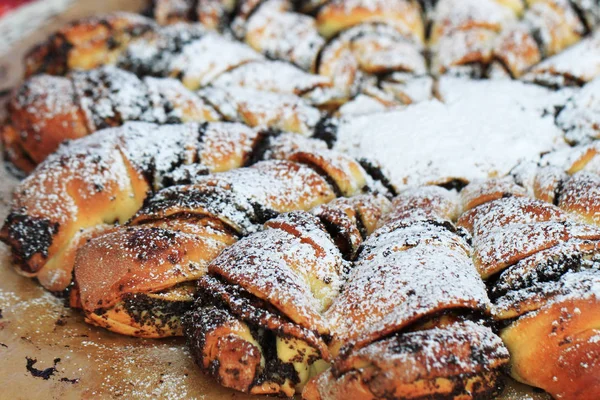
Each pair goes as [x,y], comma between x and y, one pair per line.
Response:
[303,262]
[339,64]
[57,276]
[408,366]
[478,193]
[463,34]
[48,110]
[546,285]
[517,50]
[375,318]
[474,51]
[243,198]
[255,108]
[197,72]
[42,114]
[273,76]
[367,50]
[346,174]
[394,324]
[579,157]
[507,211]
[569,179]
[563,357]
[453,16]
[497,249]
[280,34]
[282,104]
[579,196]
[143,259]
[545,266]
[228,355]
[227,146]
[237,355]
[48,201]
[373,48]
[86,43]
[189,106]
[275,284]
[278,282]
[183,228]
[230,297]
[388,291]
[428,221]
[422,204]
[404,15]
[101,179]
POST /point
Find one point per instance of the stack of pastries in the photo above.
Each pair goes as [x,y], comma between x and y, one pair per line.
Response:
[179,180]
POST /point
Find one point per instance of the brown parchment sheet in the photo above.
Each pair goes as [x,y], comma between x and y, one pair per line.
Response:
[40,335]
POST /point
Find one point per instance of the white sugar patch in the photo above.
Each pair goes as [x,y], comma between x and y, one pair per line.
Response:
[472,136]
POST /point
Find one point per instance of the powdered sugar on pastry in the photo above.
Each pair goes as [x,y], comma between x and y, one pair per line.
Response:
[284,35]
[474,136]
[581,116]
[272,76]
[580,63]
[388,289]
[202,61]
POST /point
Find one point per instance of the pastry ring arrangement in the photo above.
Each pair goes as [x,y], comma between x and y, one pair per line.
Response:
[180,178]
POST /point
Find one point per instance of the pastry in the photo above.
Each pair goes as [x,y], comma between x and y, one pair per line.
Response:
[171,240]
[219,173]
[487,38]
[47,110]
[407,324]
[260,340]
[95,181]
[569,178]
[263,337]
[540,264]
[360,51]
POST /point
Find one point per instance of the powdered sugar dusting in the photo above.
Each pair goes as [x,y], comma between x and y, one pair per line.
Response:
[284,35]
[272,76]
[392,285]
[512,210]
[580,63]
[581,285]
[435,350]
[451,15]
[278,185]
[201,61]
[298,273]
[548,265]
[257,108]
[581,116]
[474,137]
[501,247]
